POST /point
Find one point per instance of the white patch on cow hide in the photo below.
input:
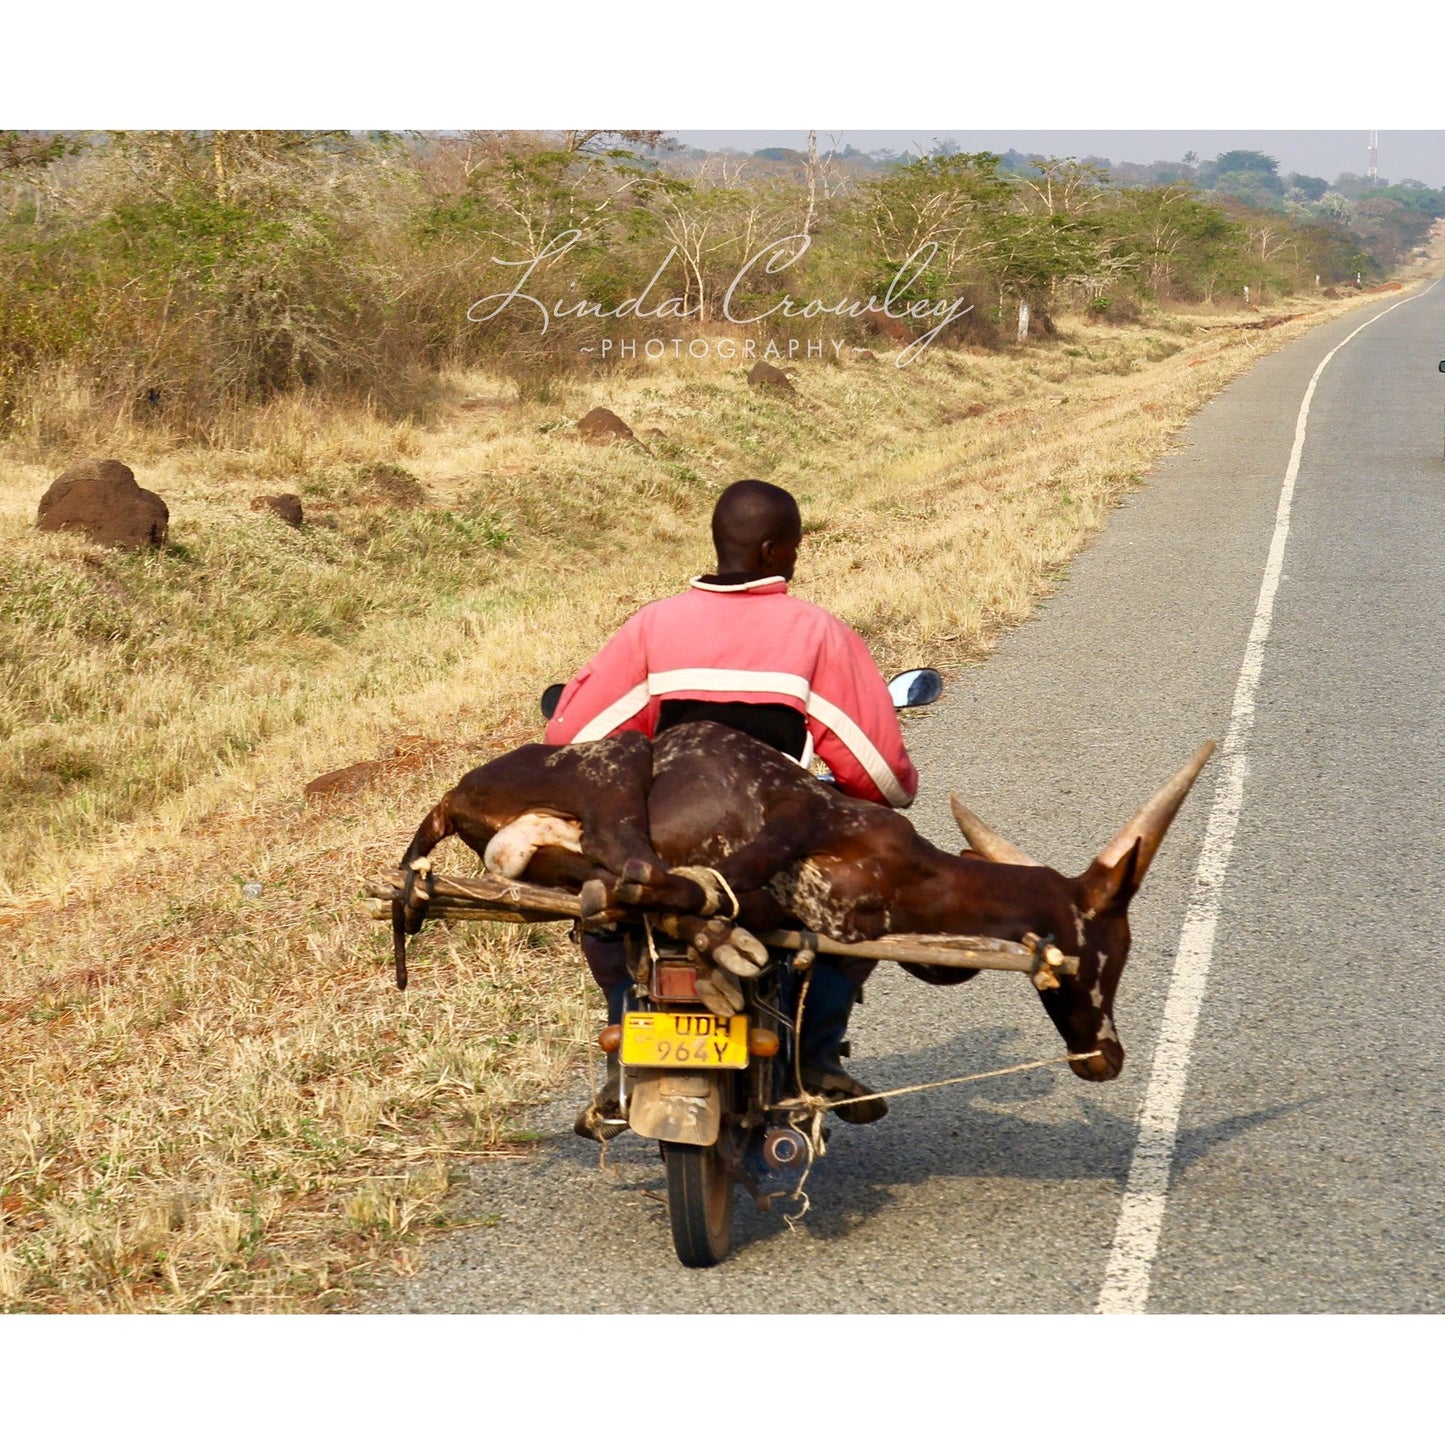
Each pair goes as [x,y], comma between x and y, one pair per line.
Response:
[512,848]
[1096,994]
[803,889]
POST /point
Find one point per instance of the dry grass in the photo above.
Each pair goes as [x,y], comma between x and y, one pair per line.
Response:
[214,1102]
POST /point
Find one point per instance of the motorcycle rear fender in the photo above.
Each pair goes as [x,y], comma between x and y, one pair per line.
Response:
[678,1108]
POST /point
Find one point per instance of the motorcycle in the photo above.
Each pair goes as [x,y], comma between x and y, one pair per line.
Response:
[722,1096]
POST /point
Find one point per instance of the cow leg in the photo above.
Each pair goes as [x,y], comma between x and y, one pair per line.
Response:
[647,882]
[640,878]
[408,912]
[788,835]
[619,836]
[791,832]
[759,910]
[611,782]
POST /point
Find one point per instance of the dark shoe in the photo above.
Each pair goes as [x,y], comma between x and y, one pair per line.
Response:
[599,1120]
[829,1078]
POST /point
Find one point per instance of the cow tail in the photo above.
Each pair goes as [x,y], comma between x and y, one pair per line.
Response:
[409,906]
[398,941]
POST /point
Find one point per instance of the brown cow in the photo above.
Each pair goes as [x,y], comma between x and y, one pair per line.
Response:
[559,816]
[794,850]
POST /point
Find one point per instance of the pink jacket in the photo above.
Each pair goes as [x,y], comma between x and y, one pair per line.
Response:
[748,643]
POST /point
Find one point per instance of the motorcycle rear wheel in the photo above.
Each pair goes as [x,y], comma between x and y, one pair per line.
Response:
[699,1203]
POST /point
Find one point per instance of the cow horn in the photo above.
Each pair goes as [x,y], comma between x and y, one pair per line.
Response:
[983,839]
[1149,825]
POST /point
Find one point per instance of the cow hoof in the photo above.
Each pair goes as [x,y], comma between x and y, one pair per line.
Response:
[635,882]
[751,948]
[597,1120]
[721,995]
[735,962]
[639,870]
[592,899]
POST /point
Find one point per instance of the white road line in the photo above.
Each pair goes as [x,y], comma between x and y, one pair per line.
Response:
[1141,1216]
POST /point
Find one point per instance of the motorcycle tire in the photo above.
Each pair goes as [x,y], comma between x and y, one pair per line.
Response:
[699,1203]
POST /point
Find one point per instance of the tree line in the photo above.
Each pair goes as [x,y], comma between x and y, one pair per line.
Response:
[180,275]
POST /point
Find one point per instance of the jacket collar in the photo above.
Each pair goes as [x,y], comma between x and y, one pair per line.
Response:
[762,584]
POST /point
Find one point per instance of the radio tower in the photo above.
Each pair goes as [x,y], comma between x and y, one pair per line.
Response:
[1374,157]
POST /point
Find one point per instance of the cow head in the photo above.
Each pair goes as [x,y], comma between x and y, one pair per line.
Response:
[1088,916]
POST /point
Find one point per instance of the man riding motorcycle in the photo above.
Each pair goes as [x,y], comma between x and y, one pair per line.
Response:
[735,648]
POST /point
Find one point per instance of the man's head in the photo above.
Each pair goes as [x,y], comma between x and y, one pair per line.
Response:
[756,528]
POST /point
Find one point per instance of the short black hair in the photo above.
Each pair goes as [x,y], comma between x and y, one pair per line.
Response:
[750,513]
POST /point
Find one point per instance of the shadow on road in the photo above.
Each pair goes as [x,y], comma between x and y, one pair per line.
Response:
[1044,1125]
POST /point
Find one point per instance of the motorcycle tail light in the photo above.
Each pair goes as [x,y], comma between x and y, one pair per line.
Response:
[674,982]
[763,1042]
[610,1039]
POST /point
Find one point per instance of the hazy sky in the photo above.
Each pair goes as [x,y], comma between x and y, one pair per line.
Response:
[1417,154]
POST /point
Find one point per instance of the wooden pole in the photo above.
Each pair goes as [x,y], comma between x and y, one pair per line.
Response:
[502,900]
[945,950]
[506,893]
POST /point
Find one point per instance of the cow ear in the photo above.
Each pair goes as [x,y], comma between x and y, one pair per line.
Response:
[1104,886]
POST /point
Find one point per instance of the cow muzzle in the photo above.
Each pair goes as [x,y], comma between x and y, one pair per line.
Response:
[1105,1065]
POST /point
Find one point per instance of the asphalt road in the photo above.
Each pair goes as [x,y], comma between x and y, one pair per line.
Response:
[1305,1168]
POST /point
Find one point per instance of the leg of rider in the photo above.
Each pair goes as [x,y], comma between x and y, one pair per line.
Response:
[832,992]
[607,961]
[606,956]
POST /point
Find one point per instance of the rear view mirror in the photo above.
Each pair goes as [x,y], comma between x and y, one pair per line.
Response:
[917,688]
[551,697]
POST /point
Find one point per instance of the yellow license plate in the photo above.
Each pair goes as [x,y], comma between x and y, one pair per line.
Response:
[684,1040]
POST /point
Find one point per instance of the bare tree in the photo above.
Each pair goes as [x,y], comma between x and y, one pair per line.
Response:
[1066,187]
[596,142]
